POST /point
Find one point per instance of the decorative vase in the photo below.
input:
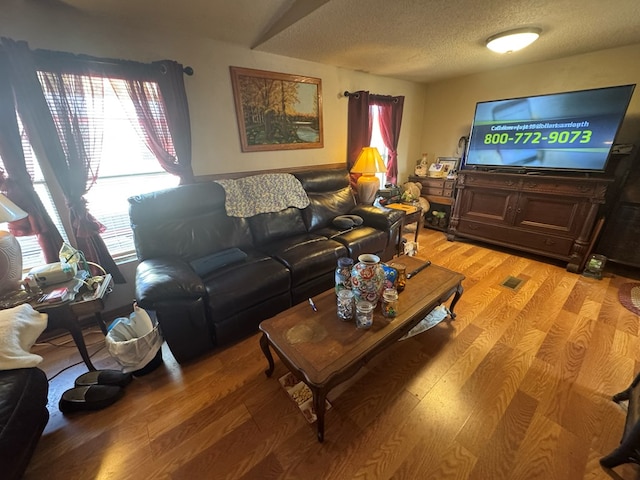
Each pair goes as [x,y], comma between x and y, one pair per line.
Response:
[367,278]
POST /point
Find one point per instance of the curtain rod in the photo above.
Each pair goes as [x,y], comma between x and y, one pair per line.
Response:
[109,62]
[374,95]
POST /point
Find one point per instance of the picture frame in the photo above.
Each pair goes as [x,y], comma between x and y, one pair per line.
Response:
[449,164]
[277,111]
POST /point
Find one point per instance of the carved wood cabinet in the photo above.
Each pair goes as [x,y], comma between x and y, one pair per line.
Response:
[551,216]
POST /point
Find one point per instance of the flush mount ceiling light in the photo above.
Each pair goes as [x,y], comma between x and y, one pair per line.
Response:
[513,40]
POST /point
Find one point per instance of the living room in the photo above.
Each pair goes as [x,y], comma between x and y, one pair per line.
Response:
[436,114]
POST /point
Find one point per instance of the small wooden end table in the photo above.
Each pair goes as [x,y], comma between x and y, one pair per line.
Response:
[412,214]
[323,351]
[416,217]
[67,315]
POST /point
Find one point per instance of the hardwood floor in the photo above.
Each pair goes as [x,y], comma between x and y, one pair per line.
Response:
[517,387]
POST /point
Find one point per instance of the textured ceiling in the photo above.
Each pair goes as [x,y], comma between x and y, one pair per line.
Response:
[418,40]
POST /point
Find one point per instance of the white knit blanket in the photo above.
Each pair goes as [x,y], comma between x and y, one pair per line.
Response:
[20,327]
[270,192]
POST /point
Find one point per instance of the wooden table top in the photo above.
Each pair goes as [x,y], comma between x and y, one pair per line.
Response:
[321,346]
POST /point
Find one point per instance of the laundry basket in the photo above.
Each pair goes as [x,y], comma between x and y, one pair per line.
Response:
[135,342]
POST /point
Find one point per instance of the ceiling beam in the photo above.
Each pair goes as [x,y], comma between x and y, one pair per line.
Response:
[297,11]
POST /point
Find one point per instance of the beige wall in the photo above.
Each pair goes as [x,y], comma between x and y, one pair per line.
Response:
[450,105]
[216,143]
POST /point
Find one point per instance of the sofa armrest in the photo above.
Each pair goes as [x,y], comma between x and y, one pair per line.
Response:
[162,279]
[376,217]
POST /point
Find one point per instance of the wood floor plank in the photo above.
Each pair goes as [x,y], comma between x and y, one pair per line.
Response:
[497,456]
[518,386]
[442,359]
[456,463]
[497,384]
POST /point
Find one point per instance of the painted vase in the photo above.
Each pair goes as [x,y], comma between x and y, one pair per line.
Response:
[367,278]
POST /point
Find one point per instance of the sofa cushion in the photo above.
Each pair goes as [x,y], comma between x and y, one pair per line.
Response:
[358,240]
[189,222]
[235,288]
[307,256]
[325,206]
[269,227]
[207,264]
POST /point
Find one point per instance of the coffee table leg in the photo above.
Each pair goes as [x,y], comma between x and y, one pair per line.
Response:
[264,345]
[319,405]
[456,297]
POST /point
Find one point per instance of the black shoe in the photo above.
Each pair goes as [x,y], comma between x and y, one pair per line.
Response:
[93,397]
[103,377]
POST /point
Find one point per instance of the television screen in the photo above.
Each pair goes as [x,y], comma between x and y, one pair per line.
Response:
[561,131]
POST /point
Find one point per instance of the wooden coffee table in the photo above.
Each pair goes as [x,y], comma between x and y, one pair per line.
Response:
[323,351]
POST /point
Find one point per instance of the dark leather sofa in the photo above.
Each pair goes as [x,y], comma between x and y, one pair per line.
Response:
[23,416]
[289,256]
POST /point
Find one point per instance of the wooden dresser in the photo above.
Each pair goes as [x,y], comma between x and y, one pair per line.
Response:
[553,216]
[440,192]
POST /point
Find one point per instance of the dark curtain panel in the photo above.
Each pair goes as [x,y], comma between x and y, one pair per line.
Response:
[390,122]
[18,185]
[359,129]
[171,82]
[64,144]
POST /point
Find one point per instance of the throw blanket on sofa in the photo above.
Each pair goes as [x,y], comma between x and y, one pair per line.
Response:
[270,192]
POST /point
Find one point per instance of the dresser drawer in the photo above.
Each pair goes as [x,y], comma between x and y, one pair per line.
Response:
[580,189]
[440,187]
[553,245]
[432,191]
[487,180]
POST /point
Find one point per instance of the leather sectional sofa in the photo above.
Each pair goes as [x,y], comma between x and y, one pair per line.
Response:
[23,416]
[260,265]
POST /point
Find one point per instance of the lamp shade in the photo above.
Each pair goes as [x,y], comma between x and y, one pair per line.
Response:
[369,162]
[513,40]
[10,252]
[9,211]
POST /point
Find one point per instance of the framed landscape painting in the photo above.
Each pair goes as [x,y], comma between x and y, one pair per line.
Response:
[277,111]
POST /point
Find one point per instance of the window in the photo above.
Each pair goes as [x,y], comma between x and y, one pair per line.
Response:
[376,141]
[127,168]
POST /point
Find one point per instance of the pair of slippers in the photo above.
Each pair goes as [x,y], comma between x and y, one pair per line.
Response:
[94,390]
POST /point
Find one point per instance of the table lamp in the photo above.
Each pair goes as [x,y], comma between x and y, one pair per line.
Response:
[369,163]
[10,252]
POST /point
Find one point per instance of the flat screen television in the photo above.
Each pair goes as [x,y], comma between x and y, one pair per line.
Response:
[570,131]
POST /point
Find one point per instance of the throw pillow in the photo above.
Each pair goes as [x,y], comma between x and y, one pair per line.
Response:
[20,327]
[357,220]
[347,221]
[342,221]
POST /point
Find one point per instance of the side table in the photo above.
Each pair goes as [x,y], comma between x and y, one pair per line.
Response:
[67,315]
[412,214]
[415,217]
